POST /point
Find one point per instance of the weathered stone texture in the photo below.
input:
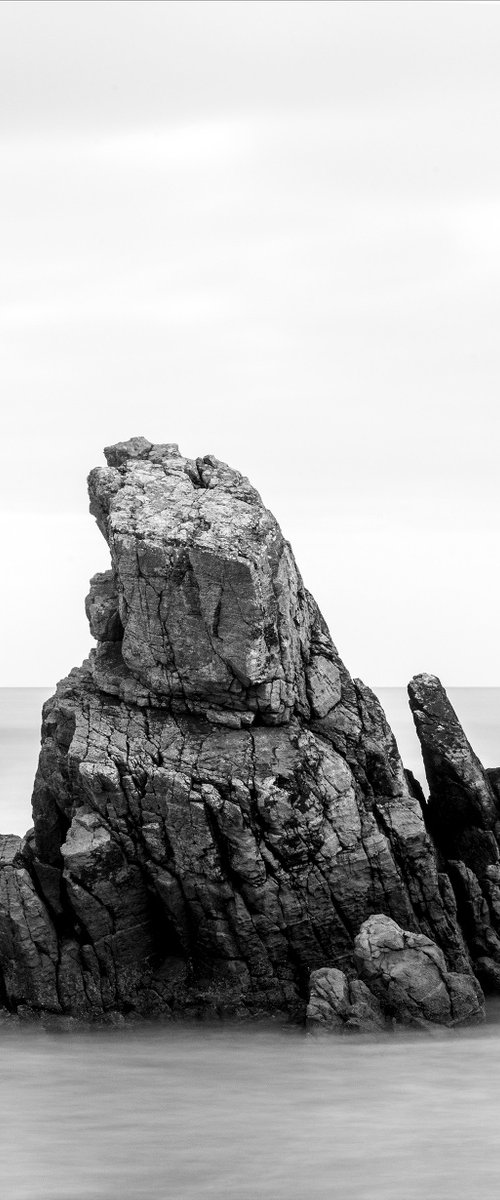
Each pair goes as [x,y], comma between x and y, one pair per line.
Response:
[339,1005]
[213,609]
[252,855]
[407,973]
[461,796]
[28,941]
[218,806]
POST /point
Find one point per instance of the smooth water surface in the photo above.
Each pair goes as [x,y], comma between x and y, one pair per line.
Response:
[248,1115]
[188,1112]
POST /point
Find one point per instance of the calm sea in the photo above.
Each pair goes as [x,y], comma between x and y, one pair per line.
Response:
[186,1113]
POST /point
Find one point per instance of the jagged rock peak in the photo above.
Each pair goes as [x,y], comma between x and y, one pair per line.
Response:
[460,792]
[204,606]
[463,816]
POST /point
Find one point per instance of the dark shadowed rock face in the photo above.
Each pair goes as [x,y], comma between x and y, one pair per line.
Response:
[463,816]
[461,796]
[218,806]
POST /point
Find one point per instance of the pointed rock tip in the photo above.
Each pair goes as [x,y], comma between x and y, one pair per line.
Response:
[135,447]
[423,681]
[138,447]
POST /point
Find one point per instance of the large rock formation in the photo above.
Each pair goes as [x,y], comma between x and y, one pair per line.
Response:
[218,806]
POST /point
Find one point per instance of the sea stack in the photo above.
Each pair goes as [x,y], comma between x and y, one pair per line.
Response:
[219,808]
[463,817]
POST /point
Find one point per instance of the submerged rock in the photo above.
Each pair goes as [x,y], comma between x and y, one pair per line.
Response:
[218,806]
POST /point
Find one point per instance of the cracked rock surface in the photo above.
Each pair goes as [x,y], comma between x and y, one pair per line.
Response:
[339,1005]
[407,973]
[219,807]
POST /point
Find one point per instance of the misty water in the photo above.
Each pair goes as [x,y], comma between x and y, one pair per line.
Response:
[183,1112]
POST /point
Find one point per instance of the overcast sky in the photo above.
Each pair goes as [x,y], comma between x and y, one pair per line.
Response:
[268,231]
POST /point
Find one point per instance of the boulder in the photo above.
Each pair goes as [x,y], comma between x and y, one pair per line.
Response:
[339,1005]
[408,974]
